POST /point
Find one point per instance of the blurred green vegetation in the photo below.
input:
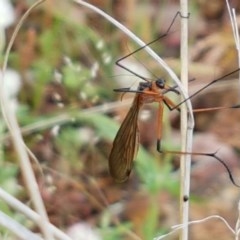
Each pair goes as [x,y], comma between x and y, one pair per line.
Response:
[68,68]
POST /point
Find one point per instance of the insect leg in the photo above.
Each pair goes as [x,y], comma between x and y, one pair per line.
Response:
[159,125]
[118,62]
[170,104]
[222,78]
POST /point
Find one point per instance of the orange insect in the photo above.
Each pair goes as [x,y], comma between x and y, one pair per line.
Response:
[125,144]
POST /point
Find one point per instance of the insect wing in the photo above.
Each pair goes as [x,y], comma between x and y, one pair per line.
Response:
[125,145]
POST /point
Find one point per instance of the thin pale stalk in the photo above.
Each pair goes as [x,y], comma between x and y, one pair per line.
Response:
[186,130]
[180,226]
[70,116]
[234,24]
[16,228]
[20,147]
[28,212]
[237,227]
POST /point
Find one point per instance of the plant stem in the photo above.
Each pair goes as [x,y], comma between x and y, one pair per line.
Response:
[186,130]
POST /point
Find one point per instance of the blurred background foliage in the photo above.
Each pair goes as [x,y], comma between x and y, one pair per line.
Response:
[65,56]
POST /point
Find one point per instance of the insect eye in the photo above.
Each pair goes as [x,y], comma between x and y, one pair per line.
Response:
[160,83]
